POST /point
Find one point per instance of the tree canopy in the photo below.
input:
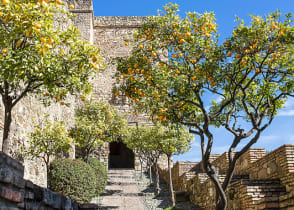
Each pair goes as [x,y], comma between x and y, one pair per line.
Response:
[177,63]
[41,53]
[48,140]
[96,123]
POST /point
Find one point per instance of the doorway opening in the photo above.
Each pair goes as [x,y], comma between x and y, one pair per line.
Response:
[120,156]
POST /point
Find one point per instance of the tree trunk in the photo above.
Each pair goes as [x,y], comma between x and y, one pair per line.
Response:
[150,173]
[48,174]
[171,183]
[157,179]
[7,124]
[220,197]
[141,163]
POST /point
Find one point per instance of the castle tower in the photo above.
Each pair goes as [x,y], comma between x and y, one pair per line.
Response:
[84,16]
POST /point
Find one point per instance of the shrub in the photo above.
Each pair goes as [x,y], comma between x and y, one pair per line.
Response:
[100,173]
[73,178]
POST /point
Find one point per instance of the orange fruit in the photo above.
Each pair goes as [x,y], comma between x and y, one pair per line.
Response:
[4,50]
[94,59]
[37,25]
[41,52]
[182,41]
[71,6]
[58,1]
[208,35]
[229,54]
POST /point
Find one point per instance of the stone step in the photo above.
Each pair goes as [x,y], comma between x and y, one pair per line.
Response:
[127,194]
[265,192]
[120,176]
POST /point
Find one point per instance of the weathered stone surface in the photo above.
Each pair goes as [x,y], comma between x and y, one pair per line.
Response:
[260,181]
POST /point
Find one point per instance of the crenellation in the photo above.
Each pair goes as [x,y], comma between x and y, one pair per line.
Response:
[118,21]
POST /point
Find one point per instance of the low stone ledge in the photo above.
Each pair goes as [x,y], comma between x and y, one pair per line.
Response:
[13,165]
[18,193]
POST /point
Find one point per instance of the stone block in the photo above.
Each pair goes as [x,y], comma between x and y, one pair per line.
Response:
[8,162]
[88,206]
[66,204]
[6,175]
[52,199]
[29,184]
[11,195]
[38,193]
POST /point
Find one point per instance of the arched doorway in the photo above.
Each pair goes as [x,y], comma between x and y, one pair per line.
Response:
[120,156]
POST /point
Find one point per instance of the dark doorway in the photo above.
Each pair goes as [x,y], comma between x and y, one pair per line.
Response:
[120,156]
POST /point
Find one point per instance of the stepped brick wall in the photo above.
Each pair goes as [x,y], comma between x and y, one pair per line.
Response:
[261,181]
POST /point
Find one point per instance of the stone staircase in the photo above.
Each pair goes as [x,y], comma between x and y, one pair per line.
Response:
[121,191]
[265,193]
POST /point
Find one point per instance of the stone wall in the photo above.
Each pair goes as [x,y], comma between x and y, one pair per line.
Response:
[261,181]
[18,193]
[84,16]
[179,169]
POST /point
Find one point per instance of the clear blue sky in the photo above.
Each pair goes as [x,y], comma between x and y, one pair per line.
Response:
[281,130]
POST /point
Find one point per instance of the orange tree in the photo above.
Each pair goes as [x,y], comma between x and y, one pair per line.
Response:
[42,53]
[153,141]
[95,124]
[48,140]
[177,63]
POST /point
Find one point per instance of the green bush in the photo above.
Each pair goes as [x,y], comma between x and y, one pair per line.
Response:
[73,178]
[100,173]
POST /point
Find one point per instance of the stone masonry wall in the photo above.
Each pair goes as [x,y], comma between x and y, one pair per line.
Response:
[109,35]
[260,181]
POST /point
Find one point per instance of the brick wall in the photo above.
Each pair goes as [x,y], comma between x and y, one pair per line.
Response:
[18,193]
